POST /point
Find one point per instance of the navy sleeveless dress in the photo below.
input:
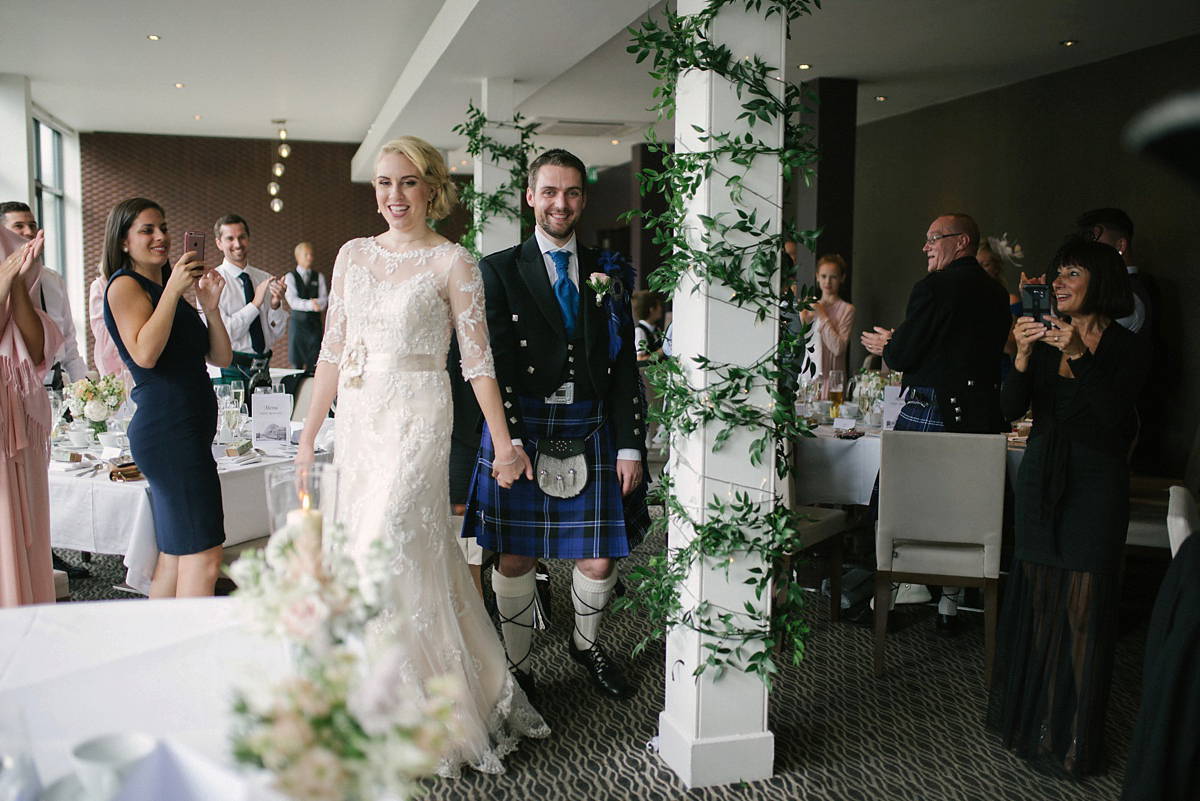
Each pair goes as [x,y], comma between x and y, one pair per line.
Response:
[171,434]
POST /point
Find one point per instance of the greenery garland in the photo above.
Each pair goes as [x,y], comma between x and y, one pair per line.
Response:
[484,206]
[737,527]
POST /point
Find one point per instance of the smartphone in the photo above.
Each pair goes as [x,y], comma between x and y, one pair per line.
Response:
[1036,302]
[194,240]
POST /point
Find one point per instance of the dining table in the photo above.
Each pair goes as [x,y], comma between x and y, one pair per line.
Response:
[167,668]
[91,513]
[838,471]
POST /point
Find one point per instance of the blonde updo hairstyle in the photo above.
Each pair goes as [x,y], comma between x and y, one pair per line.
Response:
[432,166]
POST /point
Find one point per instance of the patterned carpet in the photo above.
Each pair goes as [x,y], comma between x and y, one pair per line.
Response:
[840,734]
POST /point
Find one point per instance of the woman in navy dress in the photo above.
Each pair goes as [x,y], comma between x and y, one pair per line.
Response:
[164,343]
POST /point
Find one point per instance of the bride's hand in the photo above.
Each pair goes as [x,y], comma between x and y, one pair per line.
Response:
[510,466]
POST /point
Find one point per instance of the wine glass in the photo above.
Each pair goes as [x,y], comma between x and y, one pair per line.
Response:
[808,391]
[237,391]
[836,383]
[56,409]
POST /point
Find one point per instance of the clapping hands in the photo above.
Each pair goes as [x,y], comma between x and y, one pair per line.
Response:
[19,263]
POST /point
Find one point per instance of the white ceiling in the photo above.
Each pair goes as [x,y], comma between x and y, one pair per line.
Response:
[362,70]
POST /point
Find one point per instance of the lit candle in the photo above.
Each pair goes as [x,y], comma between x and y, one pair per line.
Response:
[304,518]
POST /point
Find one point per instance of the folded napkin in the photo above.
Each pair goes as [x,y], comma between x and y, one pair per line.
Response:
[70,467]
[177,772]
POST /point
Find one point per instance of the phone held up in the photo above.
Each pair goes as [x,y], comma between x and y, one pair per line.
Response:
[194,240]
[1036,302]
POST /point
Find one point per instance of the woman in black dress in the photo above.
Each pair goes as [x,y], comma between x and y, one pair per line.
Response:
[1058,625]
[164,343]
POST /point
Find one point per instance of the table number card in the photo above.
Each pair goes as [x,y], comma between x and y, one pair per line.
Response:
[892,404]
[272,418]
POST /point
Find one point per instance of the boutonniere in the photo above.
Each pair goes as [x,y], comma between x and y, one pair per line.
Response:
[603,285]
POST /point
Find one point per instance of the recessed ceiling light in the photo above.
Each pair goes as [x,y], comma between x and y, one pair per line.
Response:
[616,141]
[152,37]
[1069,42]
[804,66]
[454,169]
[195,116]
[178,86]
[463,162]
[880,98]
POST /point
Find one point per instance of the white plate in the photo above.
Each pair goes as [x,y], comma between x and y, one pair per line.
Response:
[67,788]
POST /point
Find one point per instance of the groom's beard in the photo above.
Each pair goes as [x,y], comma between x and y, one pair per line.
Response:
[559,227]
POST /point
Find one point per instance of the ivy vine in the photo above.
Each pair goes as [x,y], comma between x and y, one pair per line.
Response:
[736,527]
[484,206]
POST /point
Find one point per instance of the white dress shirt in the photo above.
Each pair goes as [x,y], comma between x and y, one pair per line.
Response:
[292,295]
[237,312]
[54,301]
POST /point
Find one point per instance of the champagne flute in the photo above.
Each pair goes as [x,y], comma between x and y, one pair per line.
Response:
[836,383]
[56,408]
[237,391]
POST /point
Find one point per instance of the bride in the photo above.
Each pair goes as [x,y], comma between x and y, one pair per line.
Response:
[392,302]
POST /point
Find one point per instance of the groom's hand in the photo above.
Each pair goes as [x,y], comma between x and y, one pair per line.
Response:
[629,472]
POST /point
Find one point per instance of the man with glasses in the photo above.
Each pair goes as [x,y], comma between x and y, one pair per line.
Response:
[950,348]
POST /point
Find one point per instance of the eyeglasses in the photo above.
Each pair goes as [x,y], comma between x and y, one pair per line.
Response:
[929,240]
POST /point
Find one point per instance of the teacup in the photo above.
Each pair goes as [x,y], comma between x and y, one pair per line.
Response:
[102,763]
[80,437]
[849,410]
[111,439]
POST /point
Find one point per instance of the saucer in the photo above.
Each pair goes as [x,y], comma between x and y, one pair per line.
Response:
[67,788]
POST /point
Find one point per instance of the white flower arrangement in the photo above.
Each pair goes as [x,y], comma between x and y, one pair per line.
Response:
[95,400]
[344,725]
[869,386]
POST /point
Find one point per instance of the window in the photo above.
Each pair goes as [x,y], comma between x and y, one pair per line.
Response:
[48,205]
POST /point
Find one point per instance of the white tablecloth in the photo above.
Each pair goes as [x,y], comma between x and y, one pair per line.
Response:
[166,668]
[97,515]
[842,471]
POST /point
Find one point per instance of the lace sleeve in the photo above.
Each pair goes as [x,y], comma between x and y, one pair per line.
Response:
[465,288]
[334,340]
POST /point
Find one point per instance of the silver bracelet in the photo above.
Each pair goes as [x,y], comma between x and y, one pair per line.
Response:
[516,458]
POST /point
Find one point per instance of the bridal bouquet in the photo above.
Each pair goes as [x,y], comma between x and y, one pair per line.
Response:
[344,725]
[95,400]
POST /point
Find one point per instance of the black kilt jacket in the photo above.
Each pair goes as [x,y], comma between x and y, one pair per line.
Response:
[530,347]
[952,339]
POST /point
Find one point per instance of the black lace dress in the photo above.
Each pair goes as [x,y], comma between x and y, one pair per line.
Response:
[1054,652]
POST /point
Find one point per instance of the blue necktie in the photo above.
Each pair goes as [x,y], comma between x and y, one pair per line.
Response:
[565,291]
[257,340]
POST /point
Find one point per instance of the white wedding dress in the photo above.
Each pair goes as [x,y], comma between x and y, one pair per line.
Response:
[388,331]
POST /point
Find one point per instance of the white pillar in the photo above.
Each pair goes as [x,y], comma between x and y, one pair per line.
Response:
[16,139]
[501,231]
[714,731]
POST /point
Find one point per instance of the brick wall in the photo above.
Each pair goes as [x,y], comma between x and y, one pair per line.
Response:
[198,179]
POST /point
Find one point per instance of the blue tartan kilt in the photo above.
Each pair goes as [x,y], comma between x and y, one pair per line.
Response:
[525,521]
[919,413]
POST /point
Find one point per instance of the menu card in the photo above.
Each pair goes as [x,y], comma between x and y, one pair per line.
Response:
[272,418]
[892,404]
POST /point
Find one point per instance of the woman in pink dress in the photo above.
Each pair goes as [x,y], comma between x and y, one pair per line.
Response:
[108,360]
[28,342]
[831,319]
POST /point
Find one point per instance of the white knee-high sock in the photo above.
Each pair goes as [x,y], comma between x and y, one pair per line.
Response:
[514,601]
[951,598]
[590,598]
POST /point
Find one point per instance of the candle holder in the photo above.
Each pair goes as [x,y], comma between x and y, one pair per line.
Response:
[302,495]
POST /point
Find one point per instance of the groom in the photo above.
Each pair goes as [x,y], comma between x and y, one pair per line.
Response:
[567,371]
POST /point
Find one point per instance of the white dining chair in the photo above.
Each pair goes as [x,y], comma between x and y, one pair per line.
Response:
[941,510]
[1183,519]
